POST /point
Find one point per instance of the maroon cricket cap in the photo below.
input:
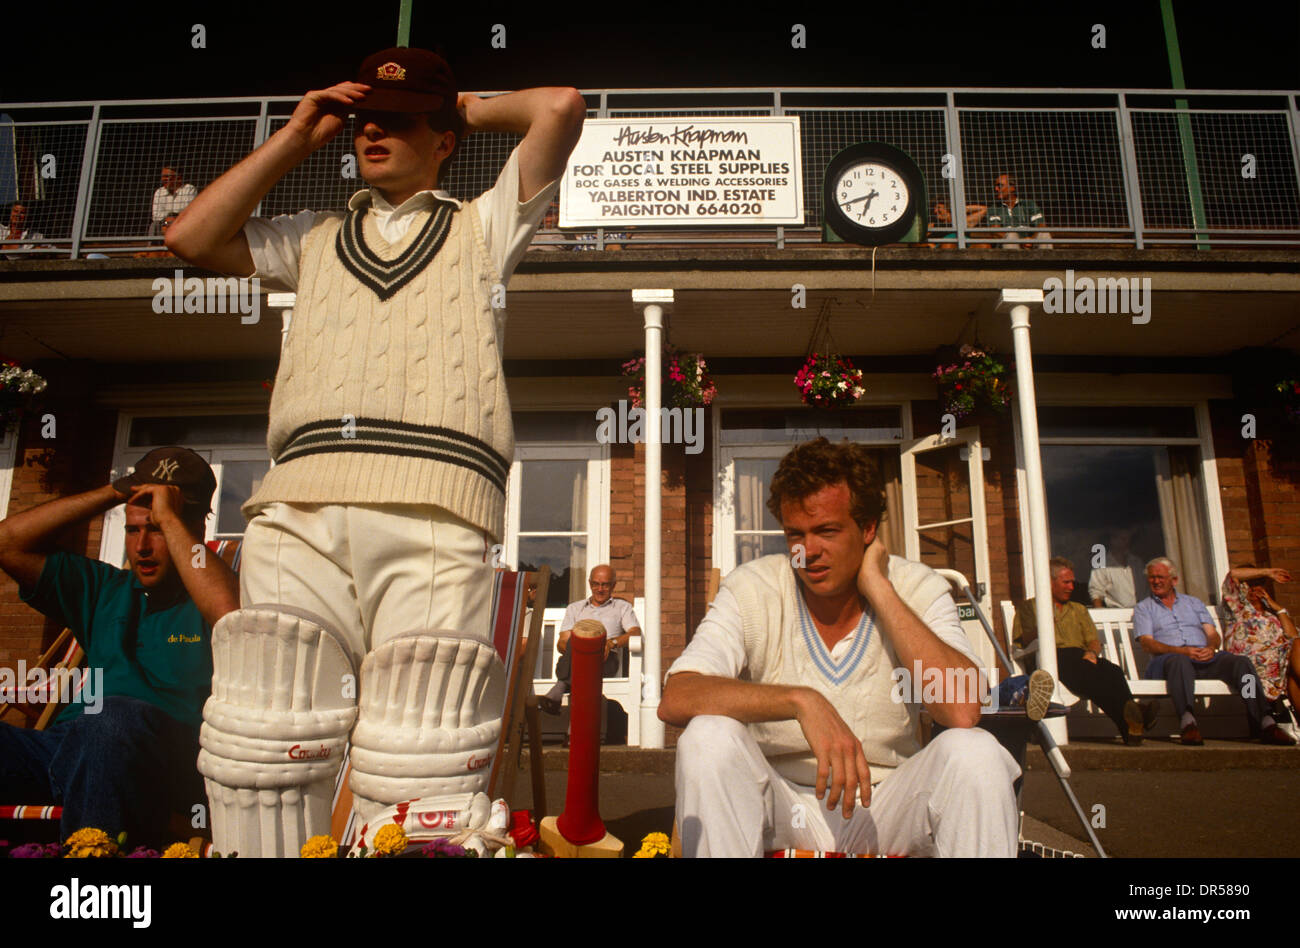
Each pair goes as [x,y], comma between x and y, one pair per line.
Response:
[407,80]
[177,466]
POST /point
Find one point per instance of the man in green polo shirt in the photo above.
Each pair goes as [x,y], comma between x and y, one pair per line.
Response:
[1015,216]
[1079,664]
[122,755]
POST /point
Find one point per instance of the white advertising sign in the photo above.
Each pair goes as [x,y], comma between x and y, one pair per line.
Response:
[684,172]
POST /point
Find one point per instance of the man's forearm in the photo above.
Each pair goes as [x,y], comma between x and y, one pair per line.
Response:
[1154,647]
[213,586]
[688,694]
[515,112]
[221,209]
[34,529]
[913,642]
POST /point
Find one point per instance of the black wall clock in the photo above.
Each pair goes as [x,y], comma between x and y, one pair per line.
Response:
[873,193]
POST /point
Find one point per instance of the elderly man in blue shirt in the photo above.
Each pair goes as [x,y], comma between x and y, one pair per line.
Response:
[1180,635]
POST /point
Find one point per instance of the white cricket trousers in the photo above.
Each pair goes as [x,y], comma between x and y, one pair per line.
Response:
[953,798]
[370,572]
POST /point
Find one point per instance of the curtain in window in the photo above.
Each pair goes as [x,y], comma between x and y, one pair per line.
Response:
[1179,491]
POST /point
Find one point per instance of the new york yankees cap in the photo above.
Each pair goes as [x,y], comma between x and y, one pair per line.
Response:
[177,466]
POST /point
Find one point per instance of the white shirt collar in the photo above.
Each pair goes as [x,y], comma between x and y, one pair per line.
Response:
[418,200]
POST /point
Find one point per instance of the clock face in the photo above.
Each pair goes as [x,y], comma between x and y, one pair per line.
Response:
[872,194]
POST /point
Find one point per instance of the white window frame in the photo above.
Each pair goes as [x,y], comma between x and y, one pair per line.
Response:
[597,458]
[8,458]
[969,438]
[1204,440]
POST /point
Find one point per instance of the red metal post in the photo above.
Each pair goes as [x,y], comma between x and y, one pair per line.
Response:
[580,822]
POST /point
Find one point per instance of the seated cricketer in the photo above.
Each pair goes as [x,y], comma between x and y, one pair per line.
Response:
[123,756]
[793,737]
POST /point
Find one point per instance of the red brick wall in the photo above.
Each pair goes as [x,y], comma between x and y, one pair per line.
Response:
[1260,497]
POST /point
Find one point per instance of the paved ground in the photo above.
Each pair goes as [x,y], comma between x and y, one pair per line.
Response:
[1227,799]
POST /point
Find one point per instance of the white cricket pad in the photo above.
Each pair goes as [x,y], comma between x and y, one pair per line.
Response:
[430,719]
[274,729]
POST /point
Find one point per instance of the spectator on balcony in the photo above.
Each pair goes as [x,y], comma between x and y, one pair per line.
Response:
[1016,217]
[18,236]
[942,217]
[170,199]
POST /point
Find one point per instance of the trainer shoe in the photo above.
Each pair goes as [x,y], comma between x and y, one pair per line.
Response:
[1041,687]
[1275,735]
[1133,718]
[1192,736]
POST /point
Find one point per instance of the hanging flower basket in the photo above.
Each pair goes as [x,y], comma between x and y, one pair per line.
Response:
[978,381]
[1289,394]
[17,386]
[686,384]
[829,381]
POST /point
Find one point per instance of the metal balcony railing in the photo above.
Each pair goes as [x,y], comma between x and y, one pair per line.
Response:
[1137,168]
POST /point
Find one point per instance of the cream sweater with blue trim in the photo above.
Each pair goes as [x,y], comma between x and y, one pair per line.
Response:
[782,647]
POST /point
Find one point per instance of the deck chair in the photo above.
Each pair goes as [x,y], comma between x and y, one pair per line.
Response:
[517,642]
[37,706]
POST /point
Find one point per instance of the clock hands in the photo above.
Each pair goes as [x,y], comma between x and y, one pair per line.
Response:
[866,197]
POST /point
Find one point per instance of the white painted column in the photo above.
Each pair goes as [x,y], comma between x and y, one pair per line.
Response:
[1039,552]
[654,306]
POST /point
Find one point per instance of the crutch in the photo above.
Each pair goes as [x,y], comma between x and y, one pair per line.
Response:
[1049,745]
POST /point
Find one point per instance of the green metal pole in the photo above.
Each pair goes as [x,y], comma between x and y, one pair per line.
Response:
[1185,126]
[404,24]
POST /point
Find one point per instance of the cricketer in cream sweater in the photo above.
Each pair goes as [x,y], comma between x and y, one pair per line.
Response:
[393,327]
[785,692]
[390,430]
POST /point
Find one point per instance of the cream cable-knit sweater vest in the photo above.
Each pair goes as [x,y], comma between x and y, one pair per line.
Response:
[390,388]
[782,646]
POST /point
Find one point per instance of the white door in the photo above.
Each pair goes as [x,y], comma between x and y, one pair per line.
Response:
[944,520]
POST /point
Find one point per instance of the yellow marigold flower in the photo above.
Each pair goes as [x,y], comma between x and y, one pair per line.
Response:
[319,847]
[390,840]
[90,843]
[657,841]
[179,851]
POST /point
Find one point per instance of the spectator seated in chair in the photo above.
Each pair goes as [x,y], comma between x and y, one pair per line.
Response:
[123,756]
[1177,630]
[620,623]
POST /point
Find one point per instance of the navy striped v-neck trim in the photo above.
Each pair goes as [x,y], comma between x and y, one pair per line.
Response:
[386,277]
